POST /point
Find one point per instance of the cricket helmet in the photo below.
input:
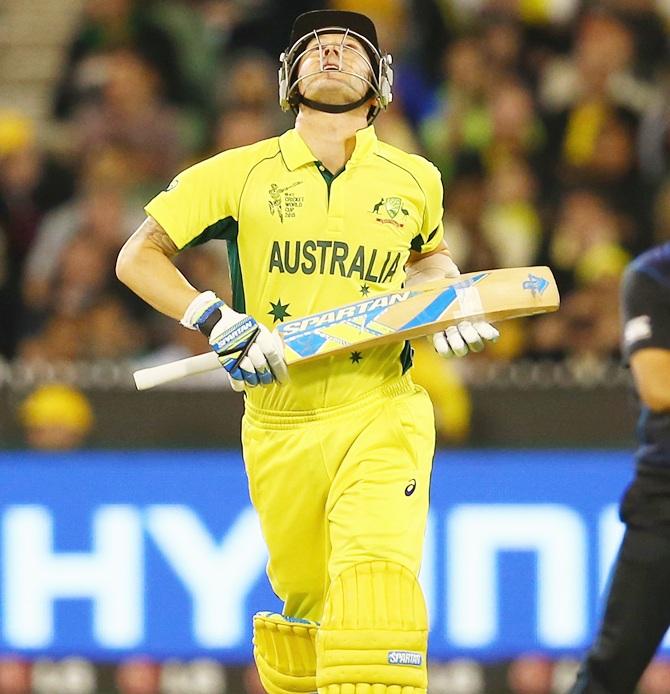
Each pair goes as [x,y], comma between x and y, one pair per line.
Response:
[316,24]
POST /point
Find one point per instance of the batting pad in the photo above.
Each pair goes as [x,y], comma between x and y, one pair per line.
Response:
[374,633]
[284,653]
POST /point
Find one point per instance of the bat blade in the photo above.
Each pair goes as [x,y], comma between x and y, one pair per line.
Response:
[491,295]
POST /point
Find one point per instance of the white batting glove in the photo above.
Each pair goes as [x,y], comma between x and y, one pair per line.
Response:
[458,340]
[237,386]
[247,350]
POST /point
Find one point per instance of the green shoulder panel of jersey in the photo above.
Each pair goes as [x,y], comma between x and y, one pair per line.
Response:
[429,179]
[207,195]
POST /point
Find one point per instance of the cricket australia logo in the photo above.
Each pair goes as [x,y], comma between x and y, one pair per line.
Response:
[535,285]
[284,203]
[386,211]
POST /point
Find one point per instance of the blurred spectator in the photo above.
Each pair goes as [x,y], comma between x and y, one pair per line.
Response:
[237,127]
[608,164]
[503,44]
[428,27]
[654,138]
[31,183]
[200,676]
[565,671]
[56,417]
[587,241]
[651,37]
[515,128]
[83,276]
[460,676]
[194,27]
[492,116]
[79,297]
[112,332]
[251,83]
[138,676]
[594,101]
[107,25]
[14,676]
[59,340]
[585,330]
[460,122]
[538,11]
[512,344]
[395,129]
[530,674]
[103,210]
[103,327]
[131,115]
[464,204]
[599,69]
[510,220]
[70,675]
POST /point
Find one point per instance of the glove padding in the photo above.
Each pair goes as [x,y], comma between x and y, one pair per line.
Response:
[458,340]
[247,350]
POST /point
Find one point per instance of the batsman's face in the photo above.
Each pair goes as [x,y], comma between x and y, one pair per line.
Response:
[335,69]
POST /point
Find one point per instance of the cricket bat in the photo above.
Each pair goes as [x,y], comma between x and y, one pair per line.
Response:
[492,295]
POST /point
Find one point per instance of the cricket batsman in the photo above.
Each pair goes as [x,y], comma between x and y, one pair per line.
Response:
[338,456]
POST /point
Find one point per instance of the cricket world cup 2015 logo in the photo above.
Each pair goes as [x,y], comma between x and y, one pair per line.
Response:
[284,203]
[386,211]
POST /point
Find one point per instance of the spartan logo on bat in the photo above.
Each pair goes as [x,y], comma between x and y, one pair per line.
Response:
[284,203]
[536,285]
[386,211]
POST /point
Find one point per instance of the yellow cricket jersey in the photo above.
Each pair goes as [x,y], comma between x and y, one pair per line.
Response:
[301,240]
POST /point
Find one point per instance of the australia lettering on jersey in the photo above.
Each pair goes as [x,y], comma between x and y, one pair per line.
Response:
[333,258]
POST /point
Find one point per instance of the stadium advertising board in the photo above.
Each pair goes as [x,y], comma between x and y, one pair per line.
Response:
[112,553]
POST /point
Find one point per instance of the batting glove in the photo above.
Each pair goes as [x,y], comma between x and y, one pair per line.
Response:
[458,340]
[247,350]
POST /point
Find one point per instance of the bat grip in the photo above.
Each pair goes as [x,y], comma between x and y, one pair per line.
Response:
[165,373]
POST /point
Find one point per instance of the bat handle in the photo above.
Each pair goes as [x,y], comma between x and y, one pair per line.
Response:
[165,373]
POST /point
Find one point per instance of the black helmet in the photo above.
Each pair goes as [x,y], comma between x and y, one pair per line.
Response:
[314,24]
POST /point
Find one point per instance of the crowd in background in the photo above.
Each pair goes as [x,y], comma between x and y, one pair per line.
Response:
[549,120]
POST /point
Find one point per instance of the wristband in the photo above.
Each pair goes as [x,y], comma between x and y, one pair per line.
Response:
[200,310]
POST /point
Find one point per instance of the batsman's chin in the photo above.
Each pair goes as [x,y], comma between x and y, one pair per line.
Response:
[332,90]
